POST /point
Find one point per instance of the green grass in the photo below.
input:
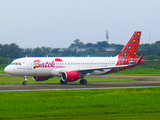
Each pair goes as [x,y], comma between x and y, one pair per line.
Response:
[112,104]
[19,80]
[2,71]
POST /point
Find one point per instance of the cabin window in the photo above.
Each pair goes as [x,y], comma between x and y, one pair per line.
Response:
[15,63]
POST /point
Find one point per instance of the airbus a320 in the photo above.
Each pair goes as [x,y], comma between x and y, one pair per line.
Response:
[74,68]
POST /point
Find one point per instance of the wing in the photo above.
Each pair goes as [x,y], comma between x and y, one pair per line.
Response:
[101,68]
[90,69]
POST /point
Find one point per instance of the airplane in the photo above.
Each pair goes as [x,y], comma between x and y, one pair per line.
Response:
[74,68]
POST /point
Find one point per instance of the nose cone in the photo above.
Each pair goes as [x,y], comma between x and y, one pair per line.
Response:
[7,69]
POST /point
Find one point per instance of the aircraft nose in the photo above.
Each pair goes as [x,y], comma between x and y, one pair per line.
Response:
[7,69]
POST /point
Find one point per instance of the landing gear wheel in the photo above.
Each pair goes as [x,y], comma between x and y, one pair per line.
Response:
[83,81]
[25,80]
[25,83]
[63,82]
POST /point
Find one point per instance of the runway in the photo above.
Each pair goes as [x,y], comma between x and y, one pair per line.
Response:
[140,81]
[92,85]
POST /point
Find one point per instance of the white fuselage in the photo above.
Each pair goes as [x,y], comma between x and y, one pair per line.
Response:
[53,66]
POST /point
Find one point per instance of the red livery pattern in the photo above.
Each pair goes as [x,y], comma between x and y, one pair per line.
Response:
[58,60]
[130,51]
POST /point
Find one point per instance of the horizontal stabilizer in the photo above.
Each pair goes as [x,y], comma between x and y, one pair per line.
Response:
[155,60]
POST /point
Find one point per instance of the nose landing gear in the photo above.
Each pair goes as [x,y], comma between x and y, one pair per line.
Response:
[25,80]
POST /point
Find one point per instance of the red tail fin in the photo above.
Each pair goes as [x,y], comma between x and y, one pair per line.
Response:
[130,51]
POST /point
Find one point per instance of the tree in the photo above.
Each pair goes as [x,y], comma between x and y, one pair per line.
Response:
[101,49]
[28,52]
[90,51]
[37,52]
[77,43]
[15,51]
[89,45]
[11,51]
[46,50]
[55,51]
[102,44]
[157,42]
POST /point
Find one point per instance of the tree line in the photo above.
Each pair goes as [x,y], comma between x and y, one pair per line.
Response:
[14,51]
[8,52]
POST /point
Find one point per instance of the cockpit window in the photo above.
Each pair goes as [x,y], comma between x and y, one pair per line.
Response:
[15,63]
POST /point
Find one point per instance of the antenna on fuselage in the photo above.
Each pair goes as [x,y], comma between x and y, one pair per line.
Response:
[47,55]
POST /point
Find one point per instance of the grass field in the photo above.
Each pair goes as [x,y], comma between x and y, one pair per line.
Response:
[113,104]
[2,71]
[19,80]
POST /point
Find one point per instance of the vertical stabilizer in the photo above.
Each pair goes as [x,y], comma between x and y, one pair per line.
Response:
[130,51]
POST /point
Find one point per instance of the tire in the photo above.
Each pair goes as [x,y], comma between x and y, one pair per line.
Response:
[24,83]
[83,82]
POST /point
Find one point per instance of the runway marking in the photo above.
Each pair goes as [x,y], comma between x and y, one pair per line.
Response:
[75,88]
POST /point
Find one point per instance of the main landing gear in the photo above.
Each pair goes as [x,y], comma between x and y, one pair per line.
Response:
[25,80]
[82,82]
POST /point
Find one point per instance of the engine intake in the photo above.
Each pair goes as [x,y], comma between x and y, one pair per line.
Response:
[70,76]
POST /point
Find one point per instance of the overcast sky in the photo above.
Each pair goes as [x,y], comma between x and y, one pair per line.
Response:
[56,23]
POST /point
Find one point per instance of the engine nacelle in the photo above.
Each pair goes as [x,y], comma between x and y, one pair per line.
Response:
[40,78]
[70,76]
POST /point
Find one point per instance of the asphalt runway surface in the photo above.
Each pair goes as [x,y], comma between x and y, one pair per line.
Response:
[140,81]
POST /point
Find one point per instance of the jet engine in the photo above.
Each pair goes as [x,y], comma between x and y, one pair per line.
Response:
[70,76]
[40,78]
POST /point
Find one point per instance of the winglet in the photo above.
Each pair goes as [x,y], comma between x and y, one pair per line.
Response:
[139,60]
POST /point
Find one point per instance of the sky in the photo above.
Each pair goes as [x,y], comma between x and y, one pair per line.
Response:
[57,23]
